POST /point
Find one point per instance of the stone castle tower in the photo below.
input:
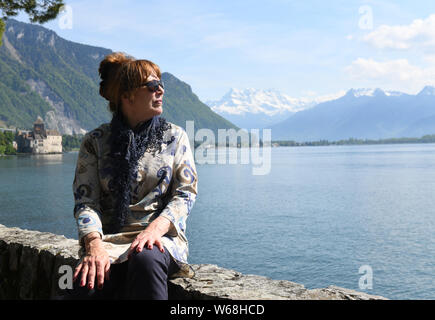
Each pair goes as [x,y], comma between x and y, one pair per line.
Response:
[40,140]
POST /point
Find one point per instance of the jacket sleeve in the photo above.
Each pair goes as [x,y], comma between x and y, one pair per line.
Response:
[86,188]
[184,187]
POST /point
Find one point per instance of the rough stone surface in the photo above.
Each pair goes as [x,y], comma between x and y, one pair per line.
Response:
[213,282]
[30,262]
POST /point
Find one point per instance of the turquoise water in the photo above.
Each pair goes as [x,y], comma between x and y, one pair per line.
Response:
[316,218]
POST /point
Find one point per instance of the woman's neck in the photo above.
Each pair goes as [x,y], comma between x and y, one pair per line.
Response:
[133,120]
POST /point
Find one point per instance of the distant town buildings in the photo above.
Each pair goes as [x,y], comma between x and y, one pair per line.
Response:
[40,140]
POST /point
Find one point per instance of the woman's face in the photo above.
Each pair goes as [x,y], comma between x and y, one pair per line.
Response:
[146,104]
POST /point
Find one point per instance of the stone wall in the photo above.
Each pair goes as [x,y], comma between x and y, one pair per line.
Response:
[30,261]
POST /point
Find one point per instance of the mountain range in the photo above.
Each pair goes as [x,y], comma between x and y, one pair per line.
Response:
[363,114]
[42,74]
[255,108]
[358,113]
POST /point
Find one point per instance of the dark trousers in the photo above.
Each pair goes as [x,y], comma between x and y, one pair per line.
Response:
[143,276]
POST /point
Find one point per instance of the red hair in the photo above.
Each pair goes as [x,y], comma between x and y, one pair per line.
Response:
[121,75]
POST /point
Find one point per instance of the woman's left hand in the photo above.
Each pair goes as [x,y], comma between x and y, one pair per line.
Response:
[151,236]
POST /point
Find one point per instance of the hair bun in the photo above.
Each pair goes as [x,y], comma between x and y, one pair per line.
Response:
[108,70]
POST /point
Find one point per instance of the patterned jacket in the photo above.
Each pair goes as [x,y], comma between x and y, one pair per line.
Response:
[166,185]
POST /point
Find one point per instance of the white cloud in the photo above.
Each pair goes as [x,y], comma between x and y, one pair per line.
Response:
[421,32]
[396,74]
[392,69]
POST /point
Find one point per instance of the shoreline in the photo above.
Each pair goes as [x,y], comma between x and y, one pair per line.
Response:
[75,150]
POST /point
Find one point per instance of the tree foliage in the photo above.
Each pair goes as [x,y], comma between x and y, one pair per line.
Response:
[39,11]
[71,142]
[353,141]
[6,139]
[2,29]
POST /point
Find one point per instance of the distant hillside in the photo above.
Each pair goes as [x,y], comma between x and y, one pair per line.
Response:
[363,114]
[43,74]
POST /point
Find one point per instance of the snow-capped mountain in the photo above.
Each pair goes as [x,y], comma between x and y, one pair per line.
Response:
[372,92]
[427,91]
[362,92]
[364,114]
[254,108]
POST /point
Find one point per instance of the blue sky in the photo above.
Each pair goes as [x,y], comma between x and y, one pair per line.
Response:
[301,48]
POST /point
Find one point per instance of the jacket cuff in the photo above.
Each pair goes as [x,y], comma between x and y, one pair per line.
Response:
[173,229]
[88,222]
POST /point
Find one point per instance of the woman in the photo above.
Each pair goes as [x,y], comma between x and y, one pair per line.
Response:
[134,187]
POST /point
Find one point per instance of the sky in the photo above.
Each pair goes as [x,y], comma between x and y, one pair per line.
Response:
[300,48]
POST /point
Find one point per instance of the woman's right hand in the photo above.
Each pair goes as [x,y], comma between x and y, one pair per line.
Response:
[96,263]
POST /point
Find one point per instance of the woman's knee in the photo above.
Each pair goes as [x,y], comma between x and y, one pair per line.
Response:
[148,259]
[147,275]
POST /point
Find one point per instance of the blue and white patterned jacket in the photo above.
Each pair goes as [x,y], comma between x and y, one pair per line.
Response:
[166,185]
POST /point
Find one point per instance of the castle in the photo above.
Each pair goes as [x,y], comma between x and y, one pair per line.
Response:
[40,140]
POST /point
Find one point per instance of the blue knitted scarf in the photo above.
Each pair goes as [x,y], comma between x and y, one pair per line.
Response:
[127,147]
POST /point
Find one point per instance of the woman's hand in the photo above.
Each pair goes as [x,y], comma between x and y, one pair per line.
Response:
[96,263]
[152,235]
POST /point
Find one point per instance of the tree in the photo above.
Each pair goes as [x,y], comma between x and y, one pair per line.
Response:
[39,11]
[2,29]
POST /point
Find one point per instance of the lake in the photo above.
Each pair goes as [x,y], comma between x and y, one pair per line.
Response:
[316,218]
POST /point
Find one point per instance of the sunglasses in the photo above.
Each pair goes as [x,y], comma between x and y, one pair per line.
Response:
[154,85]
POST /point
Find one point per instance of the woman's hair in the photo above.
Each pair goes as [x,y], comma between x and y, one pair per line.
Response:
[121,75]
